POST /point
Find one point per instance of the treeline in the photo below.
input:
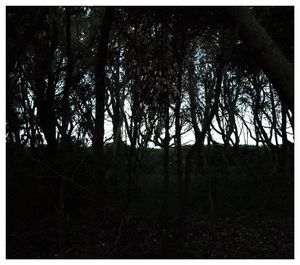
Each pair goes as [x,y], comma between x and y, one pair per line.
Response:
[153,75]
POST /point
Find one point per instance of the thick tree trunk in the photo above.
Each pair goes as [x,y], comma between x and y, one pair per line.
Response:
[98,137]
[97,188]
[266,53]
[45,86]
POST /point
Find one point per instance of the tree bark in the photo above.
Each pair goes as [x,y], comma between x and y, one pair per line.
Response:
[65,138]
[266,53]
[179,58]
[97,188]
[67,88]
[165,208]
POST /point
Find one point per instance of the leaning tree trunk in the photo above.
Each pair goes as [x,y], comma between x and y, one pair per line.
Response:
[266,53]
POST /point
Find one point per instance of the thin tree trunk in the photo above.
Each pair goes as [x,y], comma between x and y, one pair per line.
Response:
[283,155]
[200,136]
[67,88]
[117,105]
[274,121]
[165,208]
[179,155]
[65,140]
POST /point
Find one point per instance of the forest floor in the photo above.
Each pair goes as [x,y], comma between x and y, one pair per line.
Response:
[239,236]
[254,212]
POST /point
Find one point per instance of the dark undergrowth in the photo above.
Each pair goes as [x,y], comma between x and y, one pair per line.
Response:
[254,207]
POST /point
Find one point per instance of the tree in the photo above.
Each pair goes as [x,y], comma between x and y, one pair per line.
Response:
[266,53]
[98,184]
[209,112]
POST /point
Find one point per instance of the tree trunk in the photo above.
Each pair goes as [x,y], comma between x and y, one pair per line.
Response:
[283,154]
[134,130]
[65,139]
[165,208]
[68,84]
[200,135]
[179,154]
[266,53]
[274,116]
[97,187]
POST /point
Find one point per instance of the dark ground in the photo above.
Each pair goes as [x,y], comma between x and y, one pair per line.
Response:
[250,222]
[236,237]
